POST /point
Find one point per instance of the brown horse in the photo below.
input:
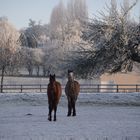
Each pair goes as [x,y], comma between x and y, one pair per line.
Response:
[54,92]
[72,90]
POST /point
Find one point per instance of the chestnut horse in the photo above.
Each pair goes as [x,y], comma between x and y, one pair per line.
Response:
[54,92]
[72,90]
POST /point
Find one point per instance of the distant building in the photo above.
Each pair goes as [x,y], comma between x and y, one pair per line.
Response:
[124,79]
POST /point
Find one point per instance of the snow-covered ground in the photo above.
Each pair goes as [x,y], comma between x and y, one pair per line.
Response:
[102,116]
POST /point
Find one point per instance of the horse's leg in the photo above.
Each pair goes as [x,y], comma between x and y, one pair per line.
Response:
[73,107]
[69,107]
[55,109]
[50,113]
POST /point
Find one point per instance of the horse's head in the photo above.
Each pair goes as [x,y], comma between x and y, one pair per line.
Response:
[52,78]
[70,75]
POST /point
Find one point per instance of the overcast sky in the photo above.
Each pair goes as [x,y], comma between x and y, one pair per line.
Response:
[20,11]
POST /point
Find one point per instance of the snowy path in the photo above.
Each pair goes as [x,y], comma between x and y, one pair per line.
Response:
[93,122]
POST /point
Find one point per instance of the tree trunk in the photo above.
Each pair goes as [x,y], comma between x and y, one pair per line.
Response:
[44,71]
[37,70]
[2,77]
[30,70]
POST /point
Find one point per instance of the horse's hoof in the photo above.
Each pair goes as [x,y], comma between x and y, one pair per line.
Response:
[54,120]
[50,119]
[69,114]
[74,115]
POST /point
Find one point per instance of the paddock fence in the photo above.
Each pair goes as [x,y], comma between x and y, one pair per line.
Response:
[84,88]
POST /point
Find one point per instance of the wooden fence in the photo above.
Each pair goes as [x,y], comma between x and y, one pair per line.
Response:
[84,88]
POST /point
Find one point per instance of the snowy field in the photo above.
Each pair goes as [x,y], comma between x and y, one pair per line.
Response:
[102,116]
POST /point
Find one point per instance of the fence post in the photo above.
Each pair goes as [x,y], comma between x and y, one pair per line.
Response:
[98,88]
[1,88]
[40,88]
[117,88]
[136,88]
[21,88]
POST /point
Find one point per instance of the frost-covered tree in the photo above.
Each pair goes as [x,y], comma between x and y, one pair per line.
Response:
[58,22]
[125,9]
[113,13]
[77,10]
[48,61]
[52,58]
[29,36]
[77,15]
[34,35]
[69,36]
[27,59]
[33,38]
[64,20]
[115,46]
[32,59]
[37,58]
[9,46]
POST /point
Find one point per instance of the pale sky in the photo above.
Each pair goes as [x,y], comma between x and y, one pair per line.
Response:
[20,11]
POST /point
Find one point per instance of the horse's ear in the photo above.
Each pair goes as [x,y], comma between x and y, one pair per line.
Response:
[69,71]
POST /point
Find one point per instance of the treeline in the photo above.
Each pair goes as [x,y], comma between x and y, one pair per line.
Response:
[90,47]
[44,47]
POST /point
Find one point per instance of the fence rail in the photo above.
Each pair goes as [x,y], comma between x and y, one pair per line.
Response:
[85,88]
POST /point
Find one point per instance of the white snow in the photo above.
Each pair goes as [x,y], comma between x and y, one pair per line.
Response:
[101,116]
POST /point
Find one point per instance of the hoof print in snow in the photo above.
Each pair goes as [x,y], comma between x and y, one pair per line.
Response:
[29,114]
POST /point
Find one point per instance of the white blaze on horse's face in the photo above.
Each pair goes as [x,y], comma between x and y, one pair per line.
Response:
[71,76]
